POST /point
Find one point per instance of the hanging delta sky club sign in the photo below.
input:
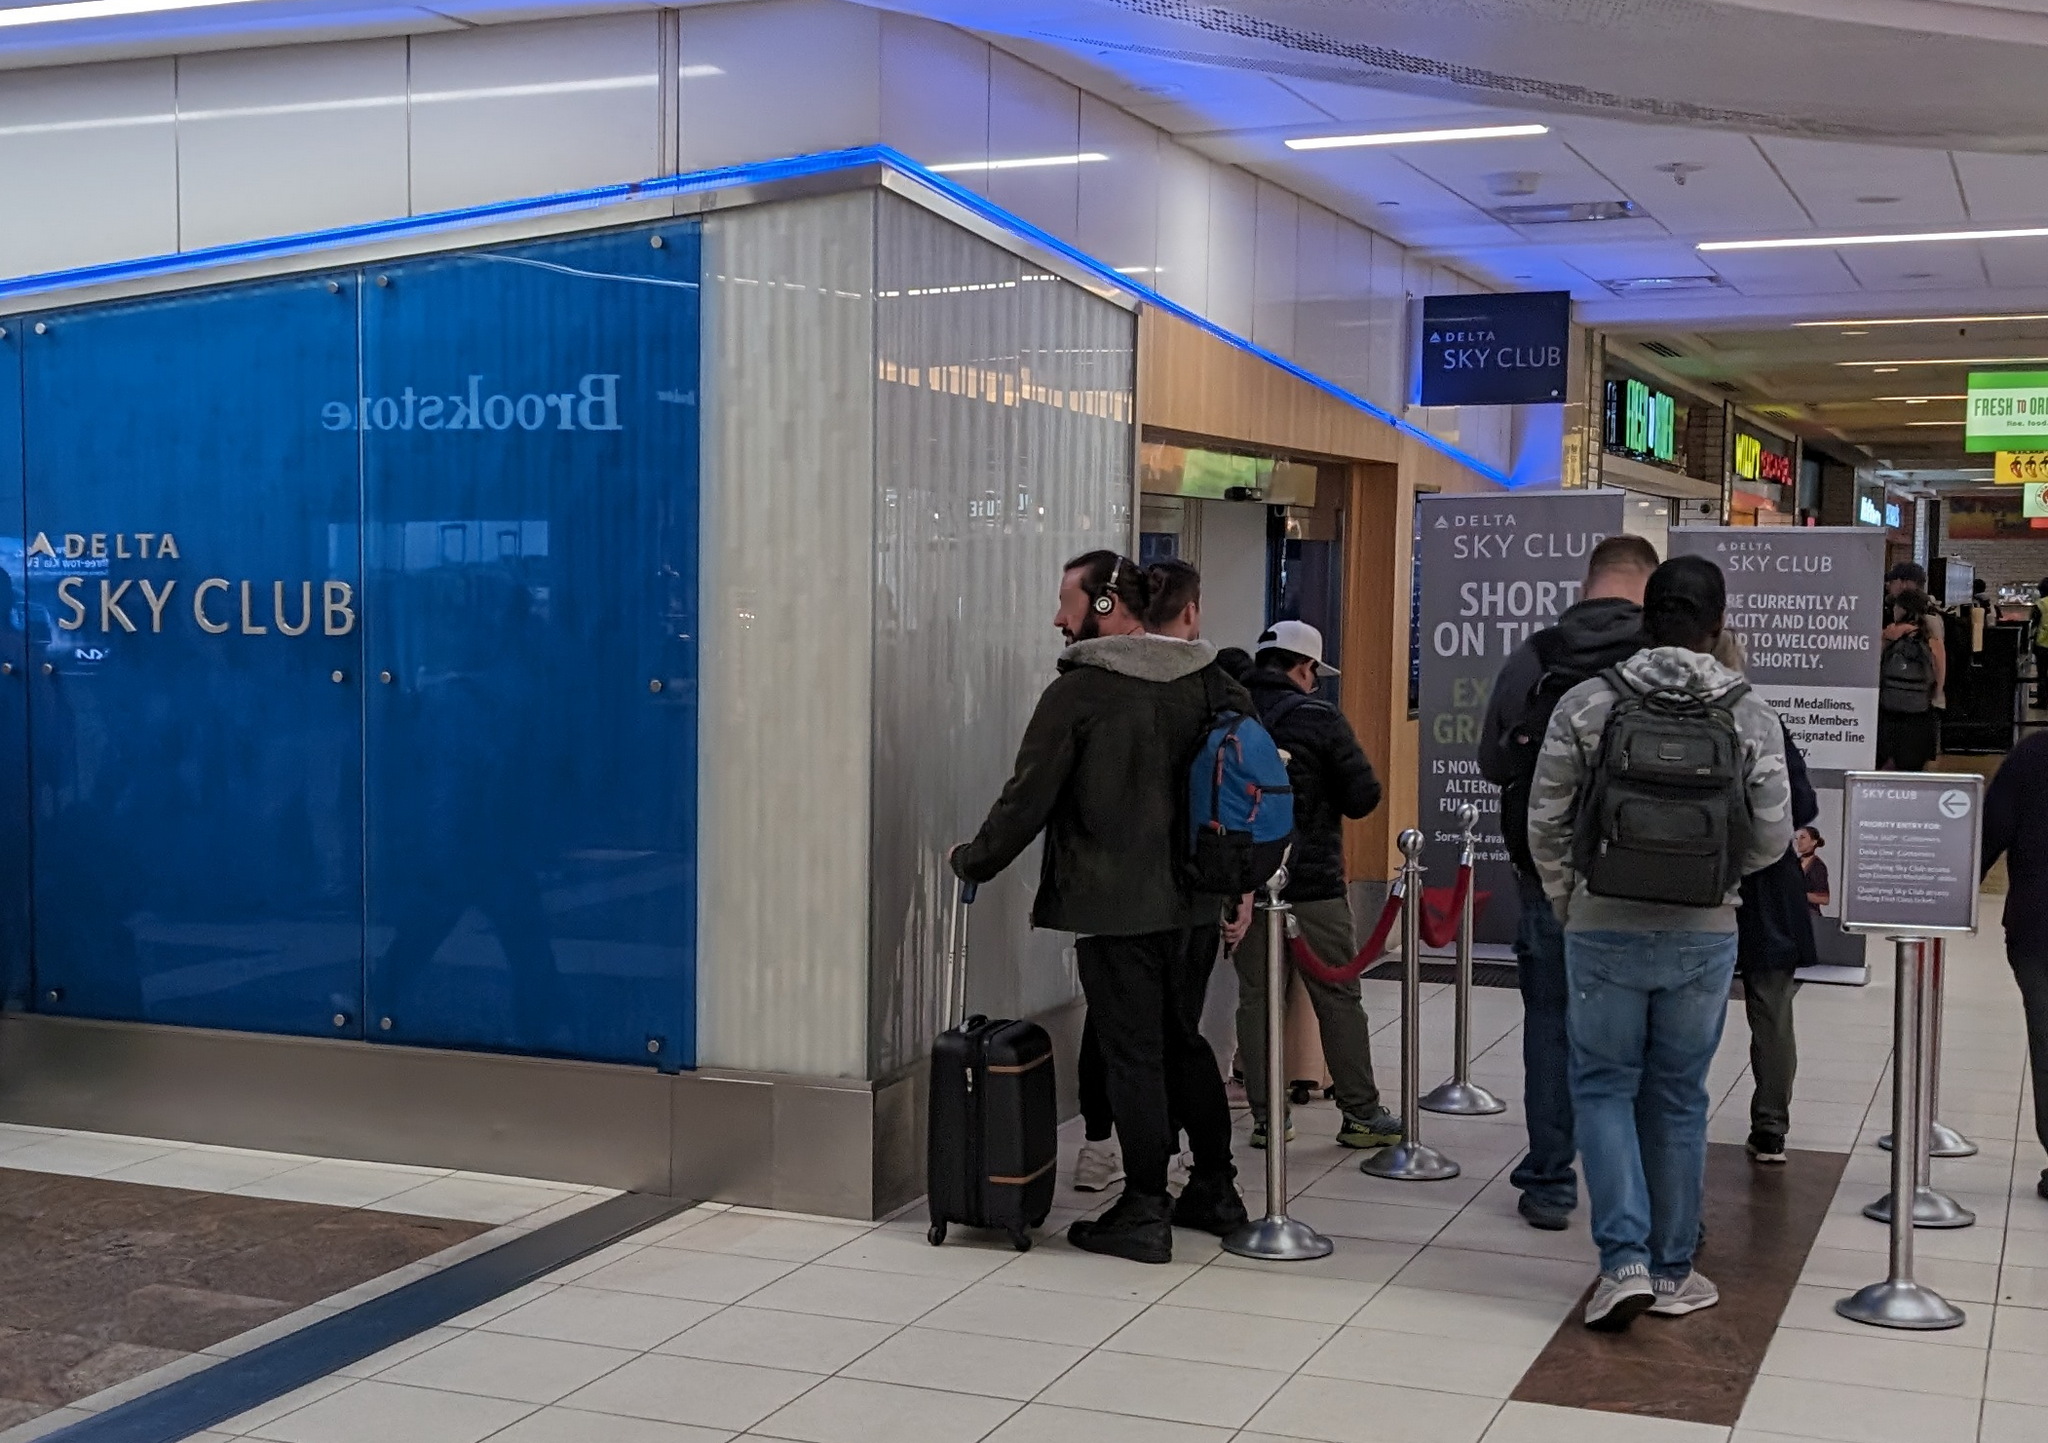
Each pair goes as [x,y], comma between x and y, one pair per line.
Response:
[1493,568]
[2006,411]
[1495,350]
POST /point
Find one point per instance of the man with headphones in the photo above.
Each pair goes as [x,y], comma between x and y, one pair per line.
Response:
[1102,772]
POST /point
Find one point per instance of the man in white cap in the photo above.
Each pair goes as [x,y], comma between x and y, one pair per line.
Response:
[1332,780]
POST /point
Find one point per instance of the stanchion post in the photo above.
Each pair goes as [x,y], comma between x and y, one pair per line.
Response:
[1899,1301]
[1409,1160]
[1931,1209]
[1460,1096]
[1277,1237]
[1942,1140]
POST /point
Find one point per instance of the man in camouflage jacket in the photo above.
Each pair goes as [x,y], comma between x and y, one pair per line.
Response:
[1648,981]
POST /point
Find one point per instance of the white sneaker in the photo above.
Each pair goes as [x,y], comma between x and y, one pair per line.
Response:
[1099,1165]
[1678,1296]
[1618,1301]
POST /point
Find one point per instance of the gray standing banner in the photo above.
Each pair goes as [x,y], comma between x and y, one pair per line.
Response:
[1493,568]
[1910,853]
[1807,604]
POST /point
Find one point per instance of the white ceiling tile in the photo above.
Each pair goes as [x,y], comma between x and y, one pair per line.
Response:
[2017,263]
[2004,189]
[1480,171]
[1733,187]
[1388,109]
[1831,178]
[1785,273]
[1622,260]
[1916,267]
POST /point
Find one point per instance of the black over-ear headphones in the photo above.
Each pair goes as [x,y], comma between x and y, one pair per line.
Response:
[1105,599]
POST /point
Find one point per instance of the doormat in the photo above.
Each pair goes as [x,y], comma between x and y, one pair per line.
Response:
[1484,974]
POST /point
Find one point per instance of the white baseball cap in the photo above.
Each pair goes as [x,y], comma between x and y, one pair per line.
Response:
[1301,639]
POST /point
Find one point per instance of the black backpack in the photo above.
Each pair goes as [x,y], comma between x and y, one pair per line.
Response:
[1524,741]
[1664,816]
[1905,676]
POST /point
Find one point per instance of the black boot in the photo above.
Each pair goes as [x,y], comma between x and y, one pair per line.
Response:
[1210,1204]
[1136,1228]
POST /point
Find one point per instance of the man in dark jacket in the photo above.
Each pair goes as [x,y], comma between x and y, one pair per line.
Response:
[1602,629]
[1332,780]
[1102,772]
[2016,828]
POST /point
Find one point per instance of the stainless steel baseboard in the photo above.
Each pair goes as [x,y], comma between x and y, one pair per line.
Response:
[801,1144]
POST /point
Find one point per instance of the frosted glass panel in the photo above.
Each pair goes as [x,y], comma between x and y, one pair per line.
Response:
[783,752]
[1003,438]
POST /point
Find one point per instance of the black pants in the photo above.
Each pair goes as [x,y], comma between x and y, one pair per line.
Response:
[2032,975]
[1091,1076]
[2041,678]
[1907,741]
[1145,1006]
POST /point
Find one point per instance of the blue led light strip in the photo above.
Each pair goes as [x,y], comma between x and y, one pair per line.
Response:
[794,167]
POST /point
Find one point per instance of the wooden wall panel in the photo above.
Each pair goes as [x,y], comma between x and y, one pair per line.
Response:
[1194,386]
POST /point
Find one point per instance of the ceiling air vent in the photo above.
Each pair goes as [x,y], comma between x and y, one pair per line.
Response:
[1728,387]
[1661,348]
[1568,212]
[1653,285]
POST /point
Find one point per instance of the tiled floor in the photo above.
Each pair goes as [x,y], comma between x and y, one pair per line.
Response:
[130,1261]
[724,1322]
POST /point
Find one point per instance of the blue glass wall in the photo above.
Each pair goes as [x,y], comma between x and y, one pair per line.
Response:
[356,664]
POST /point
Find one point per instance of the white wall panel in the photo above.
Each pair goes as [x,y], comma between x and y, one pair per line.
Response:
[1183,273]
[1276,244]
[784,735]
[518,110]
[786,77]
[88,165]
[1320,301]
[934,95]
[1233,247]
[272,142]
[1119,220]
[1033,115]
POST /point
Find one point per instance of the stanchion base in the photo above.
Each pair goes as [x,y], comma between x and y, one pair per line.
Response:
[1942,1141]
[1278,1240]
[1409,1162]
[1901,1305]
[1462,1099]
[1930,1210]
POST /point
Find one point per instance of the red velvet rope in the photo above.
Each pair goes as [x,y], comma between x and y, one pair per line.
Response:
[1438,925]
[1322,971]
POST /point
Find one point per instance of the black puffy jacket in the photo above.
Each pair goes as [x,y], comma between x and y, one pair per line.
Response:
[1331,777]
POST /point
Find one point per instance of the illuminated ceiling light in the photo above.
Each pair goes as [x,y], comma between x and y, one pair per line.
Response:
[1416,137]
[1028,162]
[1937,423]
[1881,370]
[1922,400]
[100,10]
[698,72]
[1823,242]
[1946,361]
[1855,333]
[1930,320]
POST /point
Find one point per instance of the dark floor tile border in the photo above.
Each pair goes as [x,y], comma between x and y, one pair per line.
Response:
[1761,1225]
[199,1400]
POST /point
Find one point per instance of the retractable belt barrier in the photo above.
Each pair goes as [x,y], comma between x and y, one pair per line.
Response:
[1439,927]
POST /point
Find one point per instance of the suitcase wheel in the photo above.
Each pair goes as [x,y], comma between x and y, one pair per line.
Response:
[1020,1240]
[936,1235]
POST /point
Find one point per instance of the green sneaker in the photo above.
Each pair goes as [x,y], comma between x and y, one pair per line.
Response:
[1382,1129]
[1259,1133]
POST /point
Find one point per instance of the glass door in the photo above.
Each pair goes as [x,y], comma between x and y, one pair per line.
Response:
[189,619]
[529,428]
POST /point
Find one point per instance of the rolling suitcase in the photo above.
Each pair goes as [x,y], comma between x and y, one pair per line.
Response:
[993,1135]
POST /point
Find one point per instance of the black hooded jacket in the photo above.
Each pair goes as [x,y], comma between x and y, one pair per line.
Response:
[1590,637]
[1331,777]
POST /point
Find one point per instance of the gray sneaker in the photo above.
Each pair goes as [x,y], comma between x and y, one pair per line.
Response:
[1678,1296]
[1619,1299]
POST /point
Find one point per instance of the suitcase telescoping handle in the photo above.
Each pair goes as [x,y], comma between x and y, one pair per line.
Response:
[953,994]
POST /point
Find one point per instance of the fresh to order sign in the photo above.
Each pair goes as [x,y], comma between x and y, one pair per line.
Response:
[2008,411]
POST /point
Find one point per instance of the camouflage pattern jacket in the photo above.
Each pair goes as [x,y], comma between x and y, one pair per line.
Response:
[1566,763]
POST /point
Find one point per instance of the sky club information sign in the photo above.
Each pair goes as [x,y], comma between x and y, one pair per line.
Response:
[1495,350]
[1910,853]
[2006,411]
[1493,568]
[1807,605]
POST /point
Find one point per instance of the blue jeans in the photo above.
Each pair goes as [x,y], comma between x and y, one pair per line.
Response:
[1545,1176]
[1645,1013]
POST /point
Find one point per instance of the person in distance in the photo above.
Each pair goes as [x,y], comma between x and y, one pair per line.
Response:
[1603,628]
[1655,793]
[1102,771]
[2016,828]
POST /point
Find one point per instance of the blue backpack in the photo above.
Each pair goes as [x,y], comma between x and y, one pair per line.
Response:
[1240,807]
